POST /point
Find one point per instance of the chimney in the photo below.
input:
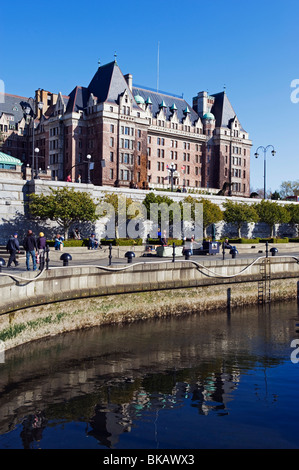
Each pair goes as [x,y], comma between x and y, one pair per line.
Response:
[129,80]
[200,103]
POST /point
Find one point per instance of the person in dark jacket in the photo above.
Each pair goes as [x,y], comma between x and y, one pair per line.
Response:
[30,247]
[13,247]
[41,245]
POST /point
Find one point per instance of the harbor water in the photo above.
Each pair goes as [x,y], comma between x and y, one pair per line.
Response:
[220,380]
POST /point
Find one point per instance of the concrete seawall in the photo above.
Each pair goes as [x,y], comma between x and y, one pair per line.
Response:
[65,298]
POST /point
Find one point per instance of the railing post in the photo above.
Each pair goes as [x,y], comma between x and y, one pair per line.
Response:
[42,261]
[47,256]
[110,255]
[173,252]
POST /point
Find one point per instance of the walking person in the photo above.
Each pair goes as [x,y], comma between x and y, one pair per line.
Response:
[30,247]
[13,247]
[164,238]
[41,246]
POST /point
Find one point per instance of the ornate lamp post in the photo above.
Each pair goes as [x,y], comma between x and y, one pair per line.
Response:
[88,168]
[171,168]
[28,111]
[264,149]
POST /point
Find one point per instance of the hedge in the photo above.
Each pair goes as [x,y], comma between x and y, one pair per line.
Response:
[70,242]
[274,240]
[121,241]
[170,241]
[241,240]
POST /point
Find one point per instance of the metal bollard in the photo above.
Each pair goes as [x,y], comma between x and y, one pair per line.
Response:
[274,251]
[173,252]
[66,257]
[233,252]
[130,255]
[2,263]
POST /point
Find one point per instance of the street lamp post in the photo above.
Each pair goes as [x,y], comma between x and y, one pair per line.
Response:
[28,110]
[264,149]
[88,168]
[171,168]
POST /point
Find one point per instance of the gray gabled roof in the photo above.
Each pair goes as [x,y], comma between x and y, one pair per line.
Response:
[13,105]
[77,99]
[159,98]
[109,83]
[223,110]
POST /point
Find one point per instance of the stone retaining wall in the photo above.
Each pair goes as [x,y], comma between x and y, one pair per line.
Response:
[13,217]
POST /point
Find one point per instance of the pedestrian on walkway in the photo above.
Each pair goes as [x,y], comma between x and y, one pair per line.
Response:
[41,245]
[30,247]
[13,247]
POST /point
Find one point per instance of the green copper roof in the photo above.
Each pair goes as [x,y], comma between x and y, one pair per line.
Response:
[186,110]
[208,116]
[149,101]
[8,159]
[163,104]
[173,107]
[139,99]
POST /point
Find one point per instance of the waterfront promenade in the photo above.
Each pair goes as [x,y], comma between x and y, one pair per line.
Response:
[90,291]
[83,256]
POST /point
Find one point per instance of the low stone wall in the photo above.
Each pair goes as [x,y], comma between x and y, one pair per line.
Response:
[55,301]
[14,194]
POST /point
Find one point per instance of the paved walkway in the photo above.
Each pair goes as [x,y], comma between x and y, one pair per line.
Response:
[99,257]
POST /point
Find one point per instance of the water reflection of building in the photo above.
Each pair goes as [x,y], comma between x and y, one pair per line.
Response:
[211,394]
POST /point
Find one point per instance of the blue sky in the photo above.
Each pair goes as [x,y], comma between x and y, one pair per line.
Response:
[250,47]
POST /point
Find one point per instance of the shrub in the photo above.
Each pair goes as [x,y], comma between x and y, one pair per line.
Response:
[170,241]
[274,240]
[121,241]
[70,242]
[241,240]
